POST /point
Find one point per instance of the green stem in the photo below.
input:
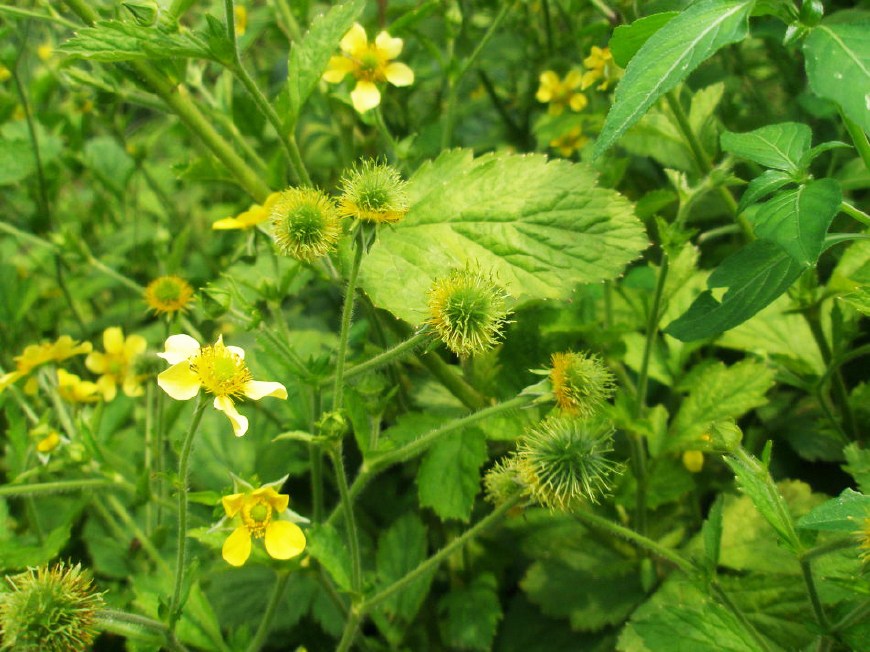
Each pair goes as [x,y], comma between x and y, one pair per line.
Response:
[315,455]
[855,213]
[827,548]
[346,317]
[453,83]
[384,358]
[141,537]
[349,519]
[285,19]
[453,382]
[24,13]
[859,139]
[385,133]
[349,633]
[725,600]
[106,618]
[857,615]
[812,592]
[269,614]
[410,450]
[838,387]
[175,605]
[57,487]
[42,195]
[288,141]
[432,562]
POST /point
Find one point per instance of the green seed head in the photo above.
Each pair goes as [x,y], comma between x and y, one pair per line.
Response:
[305,224]
[581,383]
[373,192]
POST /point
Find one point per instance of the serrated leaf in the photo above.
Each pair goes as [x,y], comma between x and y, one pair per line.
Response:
[681,617]
[754,276]
[668,57]
[328,547]
[110,40]
[779,146]
[858,465]
[719,393]
[711,532]
[761,186]
[449,476]
[754,480]
[19,553]
[845,513]
[837,56]
[541,227]
[401,548]
[628,39]
[798,219]
[470,614]
[310,56]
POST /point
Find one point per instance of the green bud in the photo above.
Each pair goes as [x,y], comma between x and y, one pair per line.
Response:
[144,11]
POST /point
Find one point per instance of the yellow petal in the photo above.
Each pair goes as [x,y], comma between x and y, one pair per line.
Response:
[390,47]
[284,539]
[178,348]
[365,96]
[225,404]
[8,379]
[233,504]
[355,42]
[107,387]
[237,547]
[589,78]
[257,389]
[271,200]
[578,102]
[227,224]
[135,345]
[573,79]
[179,381]
[338,67]
[132,386]
[278,501]
[96,362]
[398,74]
[113,340]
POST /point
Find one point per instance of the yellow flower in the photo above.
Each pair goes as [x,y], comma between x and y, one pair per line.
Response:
[5,73]
[569,142]
[116,365]
[368,63]
[219,369]
[240,16]
[35,355]
[600,65]
[255,215]
[47,439]
[256,510]
[561,93]
[75,390]
[45,51]
[168,294]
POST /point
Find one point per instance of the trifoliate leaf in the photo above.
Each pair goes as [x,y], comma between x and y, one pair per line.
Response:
[719,393]
[449,475]
[540,227]
[401,548]
[669,56]
[470,614]
[837,56]
[845,513]
[779,146]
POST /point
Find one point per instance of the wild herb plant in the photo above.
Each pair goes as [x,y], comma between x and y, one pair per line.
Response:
[435,325]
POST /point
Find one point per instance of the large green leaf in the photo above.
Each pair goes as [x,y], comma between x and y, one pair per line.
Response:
[449,476]
[838,66]
[470,614]
[798,219]
[669,56]
[628,39]
[763,185]
[754,276]
[326,545]
[110,40]
[541,227]
[845,513]
[309,57]
[780,146]
[718,393]
[401,549]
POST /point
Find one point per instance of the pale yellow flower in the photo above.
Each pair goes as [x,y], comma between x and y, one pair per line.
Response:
[600,65]
[117,365]
[75,390]
[220,370]
[369,63]
[35,355]
[250,218]
[559,93]
[168,294]
[569,142]
[257,510]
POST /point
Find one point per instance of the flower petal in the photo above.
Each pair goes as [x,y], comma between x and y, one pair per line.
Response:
[389,46]
[113,340]
[573,79]
[284,539]
[135,345]
[338,67]
[233,504]
[578,102]
[96,362]
[227,224]
[365,96]
[178,348]
[240,423]
[237,547]
[107,387]
[236,350]
[257,389]
[179,381]
[355,42]
[278,501]
[132,386]
[398,74]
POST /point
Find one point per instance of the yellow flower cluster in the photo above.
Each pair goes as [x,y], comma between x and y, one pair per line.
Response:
[36,355]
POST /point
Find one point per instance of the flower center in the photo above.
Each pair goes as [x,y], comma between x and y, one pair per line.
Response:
[167,290]
[256,515]
[221,372]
